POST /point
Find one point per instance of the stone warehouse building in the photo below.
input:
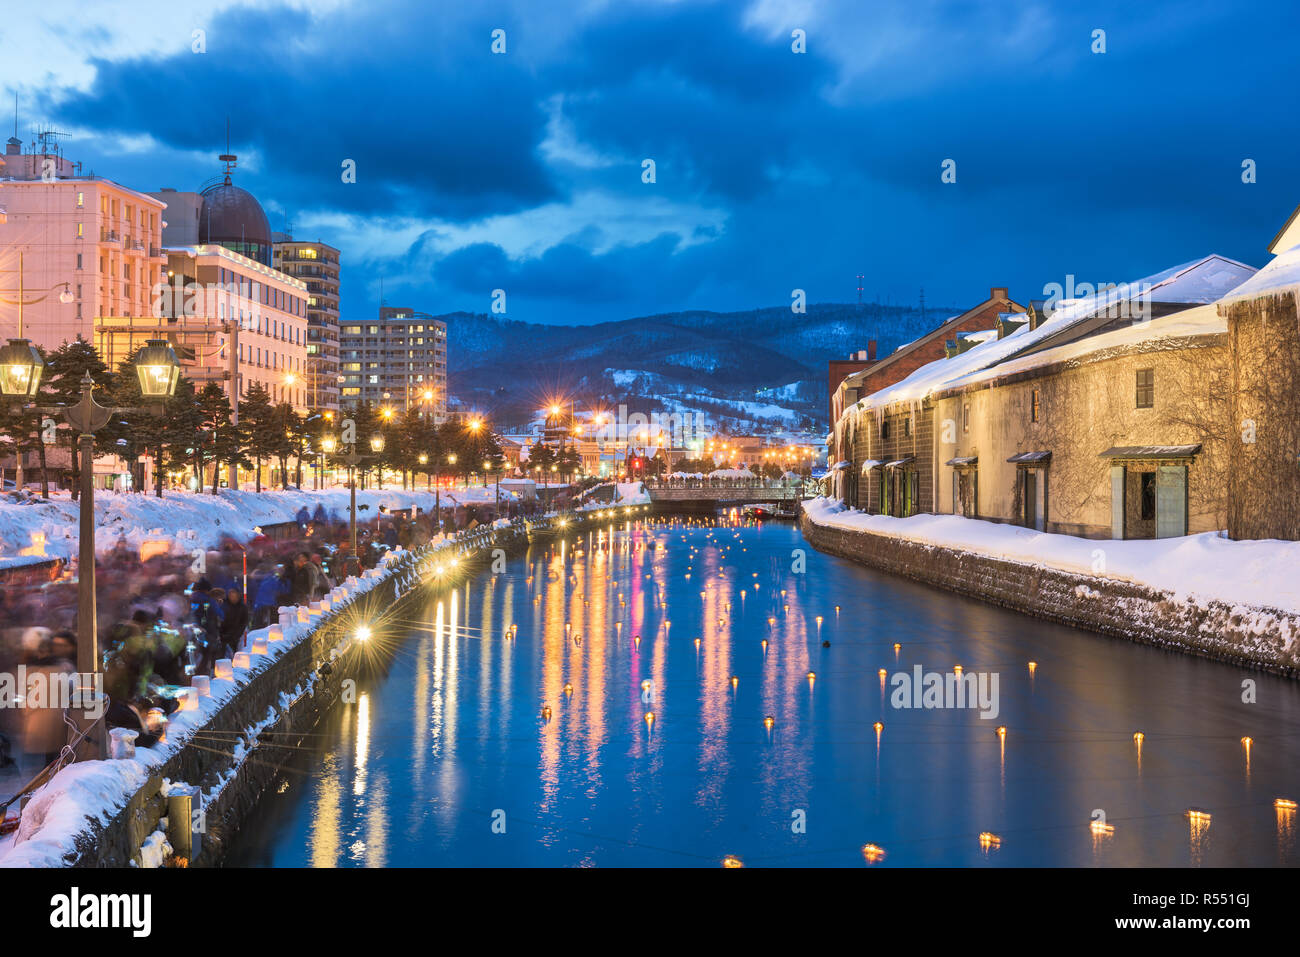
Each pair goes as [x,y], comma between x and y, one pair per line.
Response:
[1158,409]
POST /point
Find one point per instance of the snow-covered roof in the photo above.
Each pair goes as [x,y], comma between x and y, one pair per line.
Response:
[1281,275]
[1201,281]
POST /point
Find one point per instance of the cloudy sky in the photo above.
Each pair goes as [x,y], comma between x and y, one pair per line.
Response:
[774,170]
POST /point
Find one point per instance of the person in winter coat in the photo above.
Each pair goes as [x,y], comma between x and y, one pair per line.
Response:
[319,517]
[206,615]
[302,518]
[272,592]
[305,579]
[235,622]
[44,733]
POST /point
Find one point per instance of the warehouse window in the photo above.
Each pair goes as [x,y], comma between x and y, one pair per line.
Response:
[1146,388]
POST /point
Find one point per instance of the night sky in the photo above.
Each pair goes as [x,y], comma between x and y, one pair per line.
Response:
[774,170]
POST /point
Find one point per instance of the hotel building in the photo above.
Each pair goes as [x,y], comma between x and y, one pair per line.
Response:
[398,360]
[317,265]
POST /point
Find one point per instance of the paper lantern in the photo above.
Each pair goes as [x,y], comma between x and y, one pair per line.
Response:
[223,669]
[122,746]
[259,645]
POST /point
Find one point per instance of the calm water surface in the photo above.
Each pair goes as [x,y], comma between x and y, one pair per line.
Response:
[448,742]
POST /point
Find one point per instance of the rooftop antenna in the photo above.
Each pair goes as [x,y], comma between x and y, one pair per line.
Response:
[228,157]
[861,277]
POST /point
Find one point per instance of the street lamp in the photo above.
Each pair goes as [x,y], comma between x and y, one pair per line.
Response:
[18,376]
[437,491]
[329,445]
[158,369]
[21,368]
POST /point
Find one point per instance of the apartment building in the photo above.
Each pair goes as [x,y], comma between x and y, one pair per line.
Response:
[397,360]
[90,237]
[317,265]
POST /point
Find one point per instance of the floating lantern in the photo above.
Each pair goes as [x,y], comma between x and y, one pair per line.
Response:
[768,722]
[201,686]
[1247,742]
[223,669]
[879,726]
[873,852]
[568,689]
[812,676]
[734,681]
[732,861]
[989,840]
[882,674]
[1198,816]
[1101,828]
[1138,738]
[1284,804]
[837,611]
[1002,732]
[764,644]
[819,621]
[697,644]
[650,718]
[1032,666]
[637,641]
[897,648]
[771,621]
[546,713]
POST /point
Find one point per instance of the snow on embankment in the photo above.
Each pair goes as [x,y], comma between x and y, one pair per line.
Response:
[57,812]
[36,529]
[1194,569]
[623,493]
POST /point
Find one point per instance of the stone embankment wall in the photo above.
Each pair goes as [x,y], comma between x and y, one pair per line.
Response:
[236,755]
[1262,638]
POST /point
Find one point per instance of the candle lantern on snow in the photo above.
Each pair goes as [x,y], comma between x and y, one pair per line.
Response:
[223,668]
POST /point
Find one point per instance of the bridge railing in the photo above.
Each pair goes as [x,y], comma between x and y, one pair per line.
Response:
[723,483]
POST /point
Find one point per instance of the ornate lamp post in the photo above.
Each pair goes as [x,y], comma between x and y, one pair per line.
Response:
[20,373]
[20,363]
[437,492]
[351,458]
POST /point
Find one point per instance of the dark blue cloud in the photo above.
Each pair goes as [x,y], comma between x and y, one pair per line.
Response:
[825,164]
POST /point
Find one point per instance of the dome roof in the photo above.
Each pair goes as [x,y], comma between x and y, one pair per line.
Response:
[230,215]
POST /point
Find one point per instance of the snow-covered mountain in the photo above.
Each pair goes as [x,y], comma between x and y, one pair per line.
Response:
[756,369]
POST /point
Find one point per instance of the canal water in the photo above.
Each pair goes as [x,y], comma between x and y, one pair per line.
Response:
[447,757]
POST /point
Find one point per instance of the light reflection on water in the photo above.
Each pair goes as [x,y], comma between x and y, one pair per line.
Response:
[449,743]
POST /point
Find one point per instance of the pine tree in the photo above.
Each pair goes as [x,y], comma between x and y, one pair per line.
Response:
[65,367]
[258,421]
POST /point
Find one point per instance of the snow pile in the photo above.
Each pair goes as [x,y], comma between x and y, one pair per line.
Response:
[631,493]
[740,473]
[1196,568]
[37,529]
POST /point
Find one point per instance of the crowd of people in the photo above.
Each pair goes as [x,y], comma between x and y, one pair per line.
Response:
[165,618]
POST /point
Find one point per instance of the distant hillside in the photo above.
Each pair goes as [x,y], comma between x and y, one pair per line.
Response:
[753,369]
